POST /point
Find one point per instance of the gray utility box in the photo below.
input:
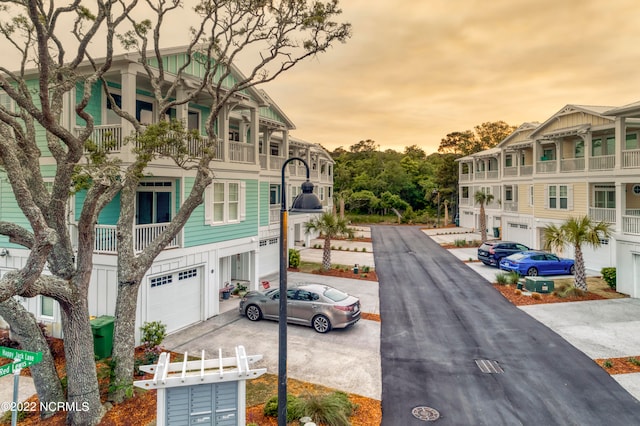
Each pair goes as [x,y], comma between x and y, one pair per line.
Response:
[538,284]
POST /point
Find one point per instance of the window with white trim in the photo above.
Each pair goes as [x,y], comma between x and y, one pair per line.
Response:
[559,197]
[604,196]
[274,194]
[46,306]
[530,195]
[508,193]
[508,160]
[631,141]
[225,202]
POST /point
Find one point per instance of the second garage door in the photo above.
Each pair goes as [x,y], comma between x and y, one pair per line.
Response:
[175,298]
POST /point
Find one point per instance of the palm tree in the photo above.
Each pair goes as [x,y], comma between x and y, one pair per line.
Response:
[577,232]
[482,198]
[329,226]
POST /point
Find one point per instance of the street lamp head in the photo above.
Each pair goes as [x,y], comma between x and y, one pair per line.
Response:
[307,201]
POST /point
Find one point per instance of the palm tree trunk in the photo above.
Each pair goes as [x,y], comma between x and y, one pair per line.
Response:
[581,276]
[483,224]
[326,254]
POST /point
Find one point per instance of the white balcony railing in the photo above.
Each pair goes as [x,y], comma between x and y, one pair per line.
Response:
[602,162]
[631,158]
[510,206]
[631,225]
[480,175]
[464,177]
[526,170]
[571,164]
[548,166]
[107,242]
[274,215]
[510,171]
[275,163]
[106,137]
[241,152]
[632,212]
[602,214]
[492,174]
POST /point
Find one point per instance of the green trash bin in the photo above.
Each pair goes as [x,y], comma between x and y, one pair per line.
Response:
[102,329]
[496,232]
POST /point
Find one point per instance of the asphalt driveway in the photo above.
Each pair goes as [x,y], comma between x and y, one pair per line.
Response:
[453,345]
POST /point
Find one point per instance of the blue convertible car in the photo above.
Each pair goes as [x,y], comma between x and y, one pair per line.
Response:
[532,263]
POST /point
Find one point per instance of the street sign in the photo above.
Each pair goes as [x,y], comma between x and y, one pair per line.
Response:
[17,354]
[10,368]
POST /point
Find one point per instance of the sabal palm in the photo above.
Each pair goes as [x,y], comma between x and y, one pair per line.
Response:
[482,198]
[329,226]
[577,232]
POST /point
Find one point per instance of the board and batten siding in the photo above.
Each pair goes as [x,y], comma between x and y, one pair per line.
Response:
[197,232]
[579,194]
[576,119]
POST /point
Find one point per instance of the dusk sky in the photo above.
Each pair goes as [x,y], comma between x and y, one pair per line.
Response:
[416,70]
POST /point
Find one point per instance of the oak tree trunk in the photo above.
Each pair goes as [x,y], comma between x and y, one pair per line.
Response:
[26,331]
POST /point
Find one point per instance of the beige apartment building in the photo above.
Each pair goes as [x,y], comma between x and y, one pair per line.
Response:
[583,160]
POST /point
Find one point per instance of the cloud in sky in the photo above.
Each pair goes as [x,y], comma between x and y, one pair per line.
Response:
[416,70]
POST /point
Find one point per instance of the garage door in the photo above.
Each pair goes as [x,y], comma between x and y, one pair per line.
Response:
[269,256]
[176,298]
[518,232]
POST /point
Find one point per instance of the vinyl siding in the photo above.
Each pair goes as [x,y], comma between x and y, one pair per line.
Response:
[197,232]
[579,201]
[109,214]
[575,119]
[523,199]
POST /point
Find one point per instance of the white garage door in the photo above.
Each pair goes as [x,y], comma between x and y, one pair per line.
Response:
[175,298]
[603,256]
[518,232]
[269,256]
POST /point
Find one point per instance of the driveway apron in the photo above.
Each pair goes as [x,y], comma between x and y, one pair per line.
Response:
[453,349]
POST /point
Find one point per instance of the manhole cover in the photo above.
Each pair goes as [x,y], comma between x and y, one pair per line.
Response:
[427,414]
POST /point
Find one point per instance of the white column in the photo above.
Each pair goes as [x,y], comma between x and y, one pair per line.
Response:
[267,148]
[224,133]
[128,80]
[621,140]
[587,149]
[182,111]
[621,205]
[254,130]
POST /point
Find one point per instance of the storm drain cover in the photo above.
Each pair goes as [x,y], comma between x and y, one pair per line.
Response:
[489,366]
[427,414]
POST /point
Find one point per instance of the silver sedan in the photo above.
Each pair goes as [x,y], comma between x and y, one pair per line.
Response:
[316,305]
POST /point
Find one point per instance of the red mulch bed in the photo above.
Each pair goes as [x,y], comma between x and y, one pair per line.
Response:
[518,298]
[366,276]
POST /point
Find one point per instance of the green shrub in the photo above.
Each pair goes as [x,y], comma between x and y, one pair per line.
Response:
[294,258]
[634,361]
[332,409]
[364,249]
[153,333]
[294,407]
[513,277]
[609,275]
[460,242]
[502,278]
[365,269]
[607,364]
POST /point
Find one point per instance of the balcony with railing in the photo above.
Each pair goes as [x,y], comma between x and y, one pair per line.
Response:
[526,170]
[492,174]
[572,164]
[600,214]
[465,177]
[547,166]
[480,175]
[631,224]
[241,152]
[107,137]
[510,171]
[274,214]
[510,206]
[602,162]
[631,158]
[107,243]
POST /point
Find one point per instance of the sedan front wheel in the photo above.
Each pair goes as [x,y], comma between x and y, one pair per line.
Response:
[572,270]
[321,324]
[532,272]
[253,313]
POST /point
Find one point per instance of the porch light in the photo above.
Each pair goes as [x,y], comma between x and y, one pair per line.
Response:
[305,202]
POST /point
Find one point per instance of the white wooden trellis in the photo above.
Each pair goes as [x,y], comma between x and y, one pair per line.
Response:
[167,375]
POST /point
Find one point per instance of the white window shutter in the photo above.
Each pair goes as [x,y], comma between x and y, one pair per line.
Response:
[243,196]
[569,197]
[208,198]
[546,197]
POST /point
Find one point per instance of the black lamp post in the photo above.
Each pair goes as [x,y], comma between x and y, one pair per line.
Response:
[306,202]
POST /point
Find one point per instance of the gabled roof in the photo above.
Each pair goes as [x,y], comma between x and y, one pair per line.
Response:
[598,111]
[522,128]
[491,152]
[629,110]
